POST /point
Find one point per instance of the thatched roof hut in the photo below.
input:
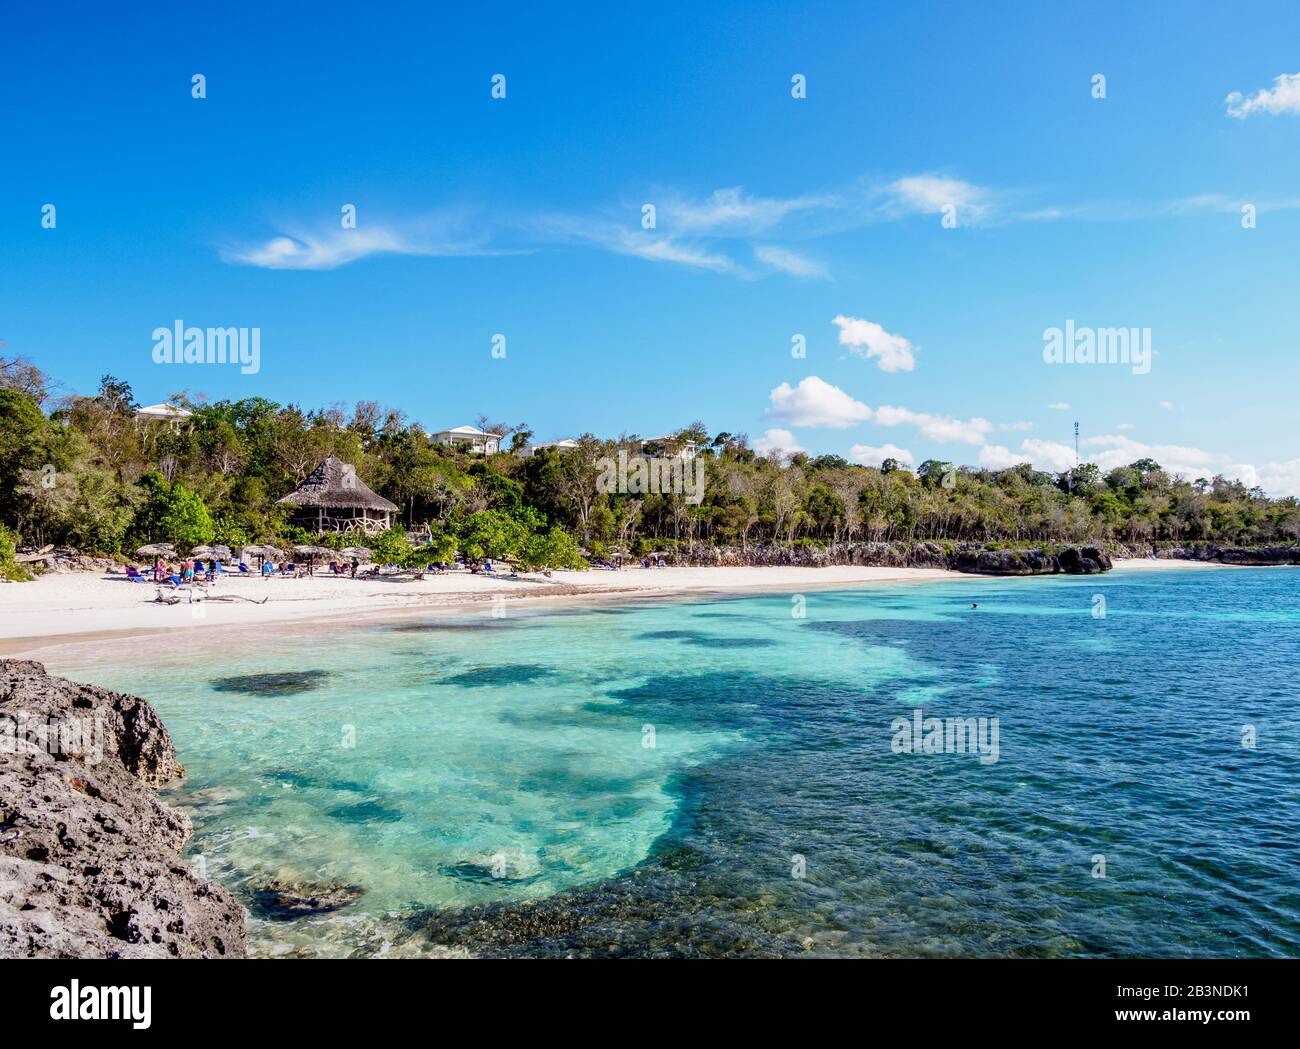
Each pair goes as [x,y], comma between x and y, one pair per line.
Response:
[334,499]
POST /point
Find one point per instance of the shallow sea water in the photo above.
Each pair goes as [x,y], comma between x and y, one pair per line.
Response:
[718,777]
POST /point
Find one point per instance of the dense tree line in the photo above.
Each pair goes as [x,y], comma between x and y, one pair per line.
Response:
[81,471]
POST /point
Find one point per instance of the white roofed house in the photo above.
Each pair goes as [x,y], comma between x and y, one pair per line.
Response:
[672,445]
[163,413]
[559,446]
[469,439]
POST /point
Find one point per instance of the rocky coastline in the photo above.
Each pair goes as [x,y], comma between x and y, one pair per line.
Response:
[1259,556]
[977,558]
[90,862]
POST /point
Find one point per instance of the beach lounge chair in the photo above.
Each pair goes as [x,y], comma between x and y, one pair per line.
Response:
[133,574]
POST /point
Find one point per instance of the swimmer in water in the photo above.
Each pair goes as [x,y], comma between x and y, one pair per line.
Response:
[974,605]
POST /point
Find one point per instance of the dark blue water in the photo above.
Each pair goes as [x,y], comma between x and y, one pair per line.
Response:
[1143,798]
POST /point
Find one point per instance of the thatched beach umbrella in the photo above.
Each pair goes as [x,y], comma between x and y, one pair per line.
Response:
[262,552]
[361,553]
[313,552]
[217,551]
[156,550]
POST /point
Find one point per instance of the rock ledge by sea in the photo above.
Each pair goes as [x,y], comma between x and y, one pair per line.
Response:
[89,856]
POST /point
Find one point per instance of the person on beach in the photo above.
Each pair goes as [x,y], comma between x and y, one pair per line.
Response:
[159,570]
[354,568]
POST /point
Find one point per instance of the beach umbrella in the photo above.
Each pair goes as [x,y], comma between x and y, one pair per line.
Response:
[313,552]
[262,552]
[359,552]
[217,551]
[156,550]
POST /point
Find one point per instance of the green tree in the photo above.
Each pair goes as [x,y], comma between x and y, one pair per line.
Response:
[170,513]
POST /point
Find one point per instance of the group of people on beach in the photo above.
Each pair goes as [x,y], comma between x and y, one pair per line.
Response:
[188,570]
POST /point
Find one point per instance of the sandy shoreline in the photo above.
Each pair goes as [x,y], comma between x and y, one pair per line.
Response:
[73,607]
[59,608]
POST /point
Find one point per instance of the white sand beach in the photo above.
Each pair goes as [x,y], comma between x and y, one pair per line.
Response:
[60,607]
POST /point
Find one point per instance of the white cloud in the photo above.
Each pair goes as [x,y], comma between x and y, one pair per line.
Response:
[867,339]
[1047,455]
[996,457]
[930,194]
[778,440]
[1277,479]
[866,455]
[941,428]
[329,251]
[731,211]
[1059,406]
[664,249]
[1283,97]
[1111,450]
[638,243]
[1167,405]
[790,262]
[1043,455]
[815,402]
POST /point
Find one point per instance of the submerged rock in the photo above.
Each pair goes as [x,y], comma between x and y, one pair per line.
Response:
[89,855]
[287,684]
[285,901]
[498,676]
[365,812]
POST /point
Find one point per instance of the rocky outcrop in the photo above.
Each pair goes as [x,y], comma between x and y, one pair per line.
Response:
[65,559]
[977,558]
[1227,555]
[89,856]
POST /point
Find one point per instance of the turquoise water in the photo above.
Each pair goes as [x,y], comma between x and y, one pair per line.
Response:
[719,777]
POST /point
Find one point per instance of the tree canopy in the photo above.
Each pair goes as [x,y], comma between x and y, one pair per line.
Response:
[83,471]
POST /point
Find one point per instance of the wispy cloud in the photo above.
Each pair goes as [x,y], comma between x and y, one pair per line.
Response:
[322,252]
[437,234]
[730,231]
[1282,97]
[733,212]
[638,243]
[790,262]
[931,194]
[665,249]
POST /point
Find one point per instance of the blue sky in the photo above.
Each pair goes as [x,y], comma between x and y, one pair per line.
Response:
[774,216]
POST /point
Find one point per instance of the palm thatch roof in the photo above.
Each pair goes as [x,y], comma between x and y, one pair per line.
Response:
[335,484]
